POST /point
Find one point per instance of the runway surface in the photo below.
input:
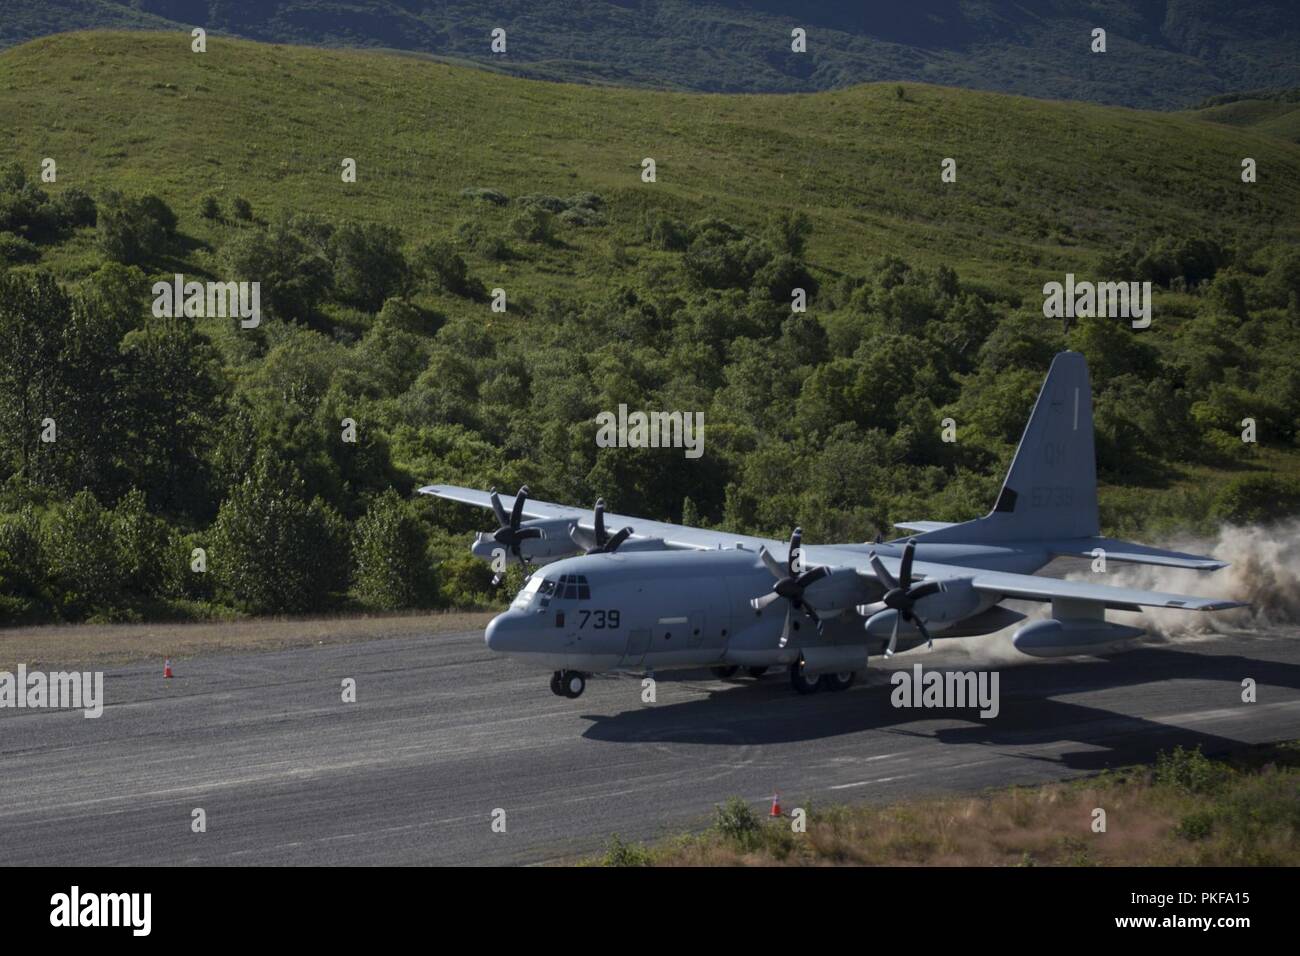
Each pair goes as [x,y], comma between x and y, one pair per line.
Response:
[443,733]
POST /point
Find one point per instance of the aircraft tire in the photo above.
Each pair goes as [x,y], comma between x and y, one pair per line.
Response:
[724,673]
[837,682]
[557,684]
[801,683]
[575,682]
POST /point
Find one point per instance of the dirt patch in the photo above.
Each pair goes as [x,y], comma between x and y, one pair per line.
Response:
[102,645]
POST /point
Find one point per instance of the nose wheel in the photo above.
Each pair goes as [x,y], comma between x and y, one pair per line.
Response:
[569,684]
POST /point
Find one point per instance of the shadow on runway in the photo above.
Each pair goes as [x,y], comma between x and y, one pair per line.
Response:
[768,711]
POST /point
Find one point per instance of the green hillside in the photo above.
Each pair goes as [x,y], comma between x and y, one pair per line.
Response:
[1161,54]
[1042,187]
[925,302]
[1274,112]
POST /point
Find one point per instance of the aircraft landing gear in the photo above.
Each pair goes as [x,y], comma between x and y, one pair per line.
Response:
[841,681]
[724,672]
[803,683]
[568,684]
[756,672]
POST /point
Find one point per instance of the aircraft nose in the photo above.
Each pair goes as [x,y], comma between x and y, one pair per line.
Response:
[492,634]
[497,635]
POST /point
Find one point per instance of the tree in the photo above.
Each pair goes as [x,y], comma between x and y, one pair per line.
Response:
[274,551]
[390,567]
[368,264]
[84,555]
[135,231]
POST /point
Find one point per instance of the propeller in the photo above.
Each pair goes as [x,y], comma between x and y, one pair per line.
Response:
[509,535]
[601,543]
[901,596]
[790,584]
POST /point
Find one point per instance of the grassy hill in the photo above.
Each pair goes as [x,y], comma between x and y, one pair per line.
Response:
[1161,53]
[1042,187]
[1274,112]
[925,302]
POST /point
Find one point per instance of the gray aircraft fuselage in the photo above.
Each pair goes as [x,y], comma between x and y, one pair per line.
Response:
[659,610]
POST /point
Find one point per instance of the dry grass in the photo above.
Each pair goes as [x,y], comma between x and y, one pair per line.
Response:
[1246,812]
[107,644]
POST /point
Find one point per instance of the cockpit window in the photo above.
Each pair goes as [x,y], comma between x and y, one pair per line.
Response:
[573,587]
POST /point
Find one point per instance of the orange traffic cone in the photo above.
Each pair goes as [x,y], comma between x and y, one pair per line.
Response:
[776,805]
[167,667]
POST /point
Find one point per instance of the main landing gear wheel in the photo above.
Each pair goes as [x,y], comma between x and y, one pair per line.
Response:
[572,684]
[841,681]
[802,683]
[557,684]
[723,673]
[756,672]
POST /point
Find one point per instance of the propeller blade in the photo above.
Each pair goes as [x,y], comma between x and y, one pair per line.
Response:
[812,576]
[580,537]
[796,540]
[527,534]
[502,518]
[905,570]
[882,572]
[867,610]
[920,626]
[918,591]
[619,537]
[772,563]
[761,602]
[785,630]
[600,522]
[893,638]
[518,511]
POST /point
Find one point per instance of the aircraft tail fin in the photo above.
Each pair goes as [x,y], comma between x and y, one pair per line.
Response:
[1050,492]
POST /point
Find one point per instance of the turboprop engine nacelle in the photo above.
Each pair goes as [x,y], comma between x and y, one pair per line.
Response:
[1068,636]
[955,601]
[554,543]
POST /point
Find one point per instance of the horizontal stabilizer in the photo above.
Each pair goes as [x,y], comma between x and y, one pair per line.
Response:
[1032,587]
[1131,553]
[922,526]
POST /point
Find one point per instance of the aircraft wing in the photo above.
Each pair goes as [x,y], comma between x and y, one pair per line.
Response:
[1032,587]
[1132,553]
[673,535]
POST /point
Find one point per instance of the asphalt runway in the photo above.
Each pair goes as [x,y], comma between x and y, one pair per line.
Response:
[443,733]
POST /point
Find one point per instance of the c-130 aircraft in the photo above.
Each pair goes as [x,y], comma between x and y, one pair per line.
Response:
[657,596]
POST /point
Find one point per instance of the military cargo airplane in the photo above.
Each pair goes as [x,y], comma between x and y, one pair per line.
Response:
[654,596]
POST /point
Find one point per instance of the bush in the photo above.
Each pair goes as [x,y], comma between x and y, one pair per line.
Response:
[390,570]
[1257,499]
[438,261]
[1190,771]
[368,264]
[736,821]
[242,209]
[618,853]
[209,208]
[486,195]
[16,250]
[74,207]
[534,224]
[135,231]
